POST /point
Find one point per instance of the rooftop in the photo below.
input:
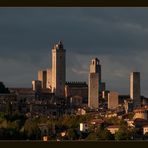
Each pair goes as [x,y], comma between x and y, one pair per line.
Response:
[146,125]
[97,121]
[113,126]
[22,90]
[77,84]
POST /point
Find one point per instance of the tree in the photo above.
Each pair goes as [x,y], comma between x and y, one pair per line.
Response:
[105,135]
[122,135]
[2,115]
[113,120]
[3,89]
[31,129]
[9,108]
[72,134]
[146,135]
[92,136]
[123,125]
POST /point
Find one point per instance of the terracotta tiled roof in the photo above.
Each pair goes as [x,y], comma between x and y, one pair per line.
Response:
[113,126]
[140,120]
[22,90]
[97,121]
[145,125]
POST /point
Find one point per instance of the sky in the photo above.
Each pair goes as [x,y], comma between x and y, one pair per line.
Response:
[118,37]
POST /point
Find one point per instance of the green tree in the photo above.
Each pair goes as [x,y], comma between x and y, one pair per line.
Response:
[123,125]
[113,120]
[31,129]
[2,115]
[72,134]
[122,135]
[3,89]
[9,108]
[105,135]
[92,137]
[3,123]
[146,135]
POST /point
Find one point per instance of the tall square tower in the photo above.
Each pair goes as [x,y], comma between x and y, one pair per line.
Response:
[135,88]
[94,83]
[113,100]
[58,69]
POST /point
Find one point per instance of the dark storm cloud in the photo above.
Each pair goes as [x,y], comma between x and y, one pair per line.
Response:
[117,36]
[91,30]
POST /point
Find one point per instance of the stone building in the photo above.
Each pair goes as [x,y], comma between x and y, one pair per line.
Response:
[105,94]
[145,129]
[128,106]
[76,89]
[113,100]
[42,76]
[94,82]
[36,85]
[135,88]
[49,79]
[8,98]
[103,86]
[113,128]
[84,127]
[58,69]
[141,113]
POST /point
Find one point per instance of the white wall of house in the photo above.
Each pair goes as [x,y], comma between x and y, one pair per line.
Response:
[83,127]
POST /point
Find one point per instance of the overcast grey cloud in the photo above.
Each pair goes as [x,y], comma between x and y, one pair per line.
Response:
[117,36]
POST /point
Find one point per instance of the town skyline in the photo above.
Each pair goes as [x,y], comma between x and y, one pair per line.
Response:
[23,61]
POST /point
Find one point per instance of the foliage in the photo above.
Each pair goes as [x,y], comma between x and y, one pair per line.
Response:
[3,123]
[130,115]
[9,134]
[9,108]
[92,136]
[113,120]
[123,134]
[146,135]
[70,121]
[3,89]
[105,135]
[72,134]
[123,125]
[31,129]
[17,126]
[2,115]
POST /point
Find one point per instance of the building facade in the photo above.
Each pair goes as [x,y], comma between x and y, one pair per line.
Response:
[76,89]
[103,86]
[113,100]
[84,127]
[94,82]
[58,69]
[145,129]
[49,78]
[42,76]
[36,85]
[113,128]
[135,88]
[141,113]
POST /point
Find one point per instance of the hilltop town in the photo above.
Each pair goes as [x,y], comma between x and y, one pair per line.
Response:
[55,109]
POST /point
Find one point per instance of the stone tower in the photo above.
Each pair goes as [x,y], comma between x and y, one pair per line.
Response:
[58,69]
[42,76]
[135,88]
[94,81]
